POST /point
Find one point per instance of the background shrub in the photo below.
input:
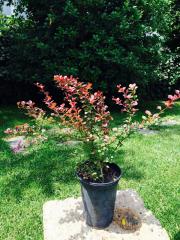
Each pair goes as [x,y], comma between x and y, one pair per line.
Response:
[100,41]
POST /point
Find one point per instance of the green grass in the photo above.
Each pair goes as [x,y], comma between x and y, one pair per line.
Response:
[151,166]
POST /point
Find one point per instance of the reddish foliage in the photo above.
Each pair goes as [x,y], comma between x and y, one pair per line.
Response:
[32,110]
[82,109]
[129,100]
[172,98]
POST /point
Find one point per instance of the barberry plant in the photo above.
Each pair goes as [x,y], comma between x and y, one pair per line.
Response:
[87,113]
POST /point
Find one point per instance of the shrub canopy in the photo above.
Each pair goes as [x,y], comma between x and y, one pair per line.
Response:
[101,41]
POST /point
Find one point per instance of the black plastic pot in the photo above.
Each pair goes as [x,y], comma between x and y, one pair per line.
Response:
[99,200]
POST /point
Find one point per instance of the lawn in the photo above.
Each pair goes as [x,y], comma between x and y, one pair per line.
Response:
[151,166]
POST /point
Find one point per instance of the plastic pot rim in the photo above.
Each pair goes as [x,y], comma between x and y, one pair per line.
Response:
[101,184]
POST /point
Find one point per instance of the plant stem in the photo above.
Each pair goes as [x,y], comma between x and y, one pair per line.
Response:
[101,170]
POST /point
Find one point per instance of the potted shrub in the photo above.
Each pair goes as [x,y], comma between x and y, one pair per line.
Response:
[86,111]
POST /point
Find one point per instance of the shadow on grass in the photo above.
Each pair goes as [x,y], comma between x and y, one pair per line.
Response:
[129,170]
[42,167]
[177,236]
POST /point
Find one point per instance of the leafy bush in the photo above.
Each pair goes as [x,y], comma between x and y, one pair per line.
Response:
[86,112]
[99,40]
